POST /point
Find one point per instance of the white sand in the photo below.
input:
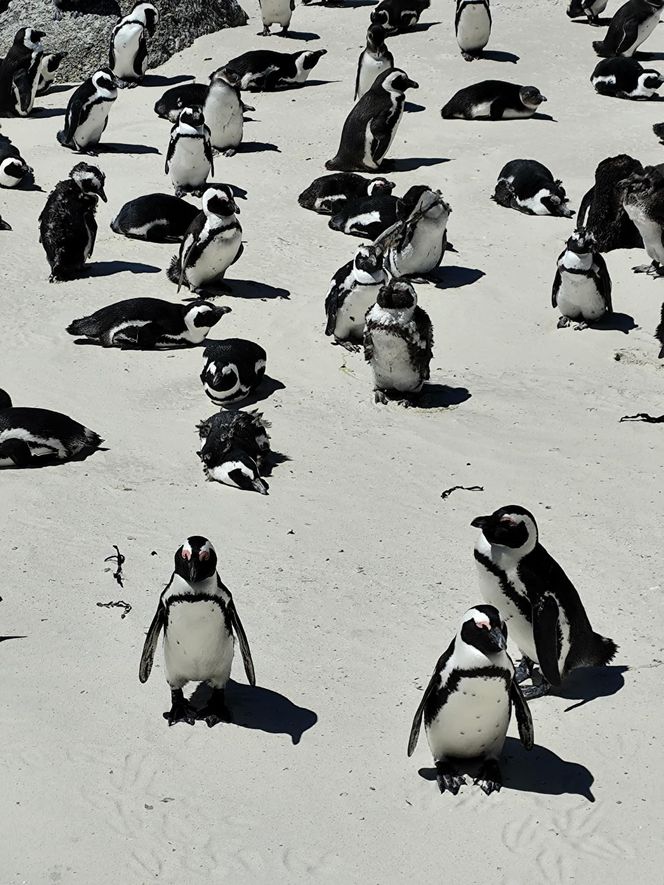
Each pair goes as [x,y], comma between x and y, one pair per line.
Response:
[352,575]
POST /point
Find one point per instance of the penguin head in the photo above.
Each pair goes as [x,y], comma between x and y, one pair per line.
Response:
[483,628]
[651,79]
[90,179]
[202,315]
[196,559]
[555,201]
[104,81]
[395,80]
[369,259]
[193,117]
[53,60]
[380,17]
[397,295]
[12,171]
[29,38]
[512,527]
[380,186]
[581,242]
[225,76]
[531,96]
[147,13]
[219,201]
[375,36]
[237,469]
[311,57]
[5,400]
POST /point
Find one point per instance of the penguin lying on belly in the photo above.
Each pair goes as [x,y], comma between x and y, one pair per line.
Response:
[329,193]
[264,70]
[235,450]
[625,78]
[366,218]
[398,16]
[158,218]
[493,100]
[529,187]
[13,168]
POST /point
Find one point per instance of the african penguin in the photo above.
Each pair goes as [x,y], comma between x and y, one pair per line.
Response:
[327,194]
[493,100]
[659,333]
[159,218]
[48,67]
[529,187]
[398,16]
[467,705]
[189,159]
[590,8]
[200,623]
[264,70]
[622,77]
[67,225]
[33,437]
[398,342]
[472,25]
[19,73]
[232,370]
[372,124]
[537,600]
[582,285]
[601,212]
[643,200]
[13,168]
[87,112]
[353,291]
[235,449]
[632,24]
[128,52]
[276,12]
[149,324]
[417,245]
[367,217]
[374,60]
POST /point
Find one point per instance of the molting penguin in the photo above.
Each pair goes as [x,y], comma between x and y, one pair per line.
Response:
[353,292]
[539,603]
[602,213]
[87,112]
[276,12]
[582,285]
[529,187]
[48,68]
[200,623]
[417,246]
[19,73]
[189,159]
[659,333]
[622,77]
[329,193]
[375,59]
[467,704]
[592,9]
[149,324]
[632,24]
[235,450]
[397,16]
[643,200]
[159,218]
[128,53]
[34,437]
[67,225]
[472,25]
[372,124]
[367,217]
[398,342]
[264,70]
[493,100]
[232,370]
[13,168]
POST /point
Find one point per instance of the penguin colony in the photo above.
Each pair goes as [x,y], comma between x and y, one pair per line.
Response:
[372,305]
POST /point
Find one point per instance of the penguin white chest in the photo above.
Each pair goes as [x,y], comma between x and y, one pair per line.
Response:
[579,297]
[474,28]
[370,68]
[645,30]
[90,132]
[189,166]
[423,252]
[650,231]
[217,256]
[473,721]
[223,116]
[197,645]
[126,45]
[276,12]
[391,363]
[351,314]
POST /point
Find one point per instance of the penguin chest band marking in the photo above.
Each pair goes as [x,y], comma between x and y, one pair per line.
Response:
[197,645]
[217,256]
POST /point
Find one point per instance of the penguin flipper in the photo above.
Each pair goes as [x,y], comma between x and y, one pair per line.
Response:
[170,151]
[524,720]
[604,280]
[150,645]
[434,683]
[367,341]
[555,289]
[238,629]
[629,36]
[546,629]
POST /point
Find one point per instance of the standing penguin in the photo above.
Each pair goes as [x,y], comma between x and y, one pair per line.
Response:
[48,67]
[276,12]
[232,370]
[223,111]
[472,25]
[67,226]
[632,24]
[416,248]
[398,16]
[353,291]
[467,704]
[13,168]
[189,159]
[539,603]
[372,124]
[643,201]
[374,60]
[398,343]
[200,624]
[87,112]
[582,285]
[128,52]
[592,9]
[495,100]
[602,213]
[19,73]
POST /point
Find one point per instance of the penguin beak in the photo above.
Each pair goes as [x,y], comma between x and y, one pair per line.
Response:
[543,97]
[411,84]
[4,225]
[193,569]
[102,194]
[260,486]
[499,640]
[480,522]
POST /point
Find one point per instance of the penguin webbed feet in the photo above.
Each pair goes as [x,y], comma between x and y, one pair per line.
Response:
[350,346]
[469,56]
[524,668]
[265,32]
[181,710]
[489,778]
[563,323]
[531,692]
[380,397]
[215,711]
[654,269]
[448,779]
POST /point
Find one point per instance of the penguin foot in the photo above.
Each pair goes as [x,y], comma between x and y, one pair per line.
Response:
[564,322]
[229,152]
[523,670]
[530,692]
[653,269]
[580,327]
[489,778]
[380,397]
[347,345]
[265,32]
[215,711]
[447,778]
[181,710]
[284,32]
[468,56]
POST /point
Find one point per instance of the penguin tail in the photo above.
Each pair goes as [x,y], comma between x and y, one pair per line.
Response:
[62,138]
[598,46]
[173,272]
[115,227]
[658,129]
[92,439]
[603,650]
[447,111]
[334,165]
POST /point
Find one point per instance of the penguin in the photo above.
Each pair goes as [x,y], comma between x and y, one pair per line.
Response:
[128,52]
[276,12]
[19,73]
[264,70]
[13,168]
[582,285]
[643,200]
[538,602]
[398,342]
[189,159]
[67,226]
[601,212]
[185,95]
[353,291]
[48,67]
[467,705]
[235,450]
[158,218]
[232,370]
[374,60]
[372,124]
[211,245]
[623,77]
[417,246]
[149,324]
[658,129]
[529,187]
[37,437]
[368,217]
[329,193]
[398,16]
[493,100]
[592,9]
[632,24]
[472,25]
[200,622]
[659,333]
[87,112]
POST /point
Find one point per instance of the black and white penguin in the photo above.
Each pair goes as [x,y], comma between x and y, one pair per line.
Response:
[211,245]
[416,248]
[200,622]
[529,187]
[159,218]
[367,217]
[632,24]
[493,100]
[48,68]
[398,344]
[149,324]
[372,124]
[472,25]
[659,333]
[175,99]
[67,225]
[276,12]
[537,600]
[467,705]
[643,200]
[264,70]
[19,73]
[353,291]
[189,158]
[329,193]
[13,168]
[87,112]
[582,285]
[35,437]
[398,16]
[232,370]
[592,9]
[374,60]
[601,212]
[128,52]
[235,450]
[622,77]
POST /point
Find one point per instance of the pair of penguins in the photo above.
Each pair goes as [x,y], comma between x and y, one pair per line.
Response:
[467,705]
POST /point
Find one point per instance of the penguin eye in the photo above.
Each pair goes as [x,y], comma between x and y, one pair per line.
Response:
[204,554]
[186,553]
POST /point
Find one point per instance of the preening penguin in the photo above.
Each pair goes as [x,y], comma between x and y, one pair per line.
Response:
[189,159]
[48,67]
[235,449]
[158,218]
[417,246]
[232,370]
[632,24]
[329,193]
[128,53]
[592,9]
[19,73]
[602,213]
[540,605]
[467,704]
[276,12]
[13,168]
[264,70]
[622,77]
[397,16]
[367,217]
[529,187]
[374,60]
[493,100]
[472,25]
[643,200]
[200,622]
[87,112]
[353,291]
[582,285]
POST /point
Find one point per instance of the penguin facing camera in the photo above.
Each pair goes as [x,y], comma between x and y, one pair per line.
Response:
[374,60]
[353,292]
[276,12]
[529,187]
[232,370]
[582,285]
[472,25]
[87,112]
[189,159]
[235,450]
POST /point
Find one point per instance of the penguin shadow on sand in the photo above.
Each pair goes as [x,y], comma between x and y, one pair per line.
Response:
[410,107]
[452,276]
[305,36]
[441,396]
[108,268]
[257,147]
[261,709]
[45,113]
[615,322]
[250,289]
[589,683]
[410,164]
[116,147]
[422,26]
[6,638]
[161,81]
[499,55]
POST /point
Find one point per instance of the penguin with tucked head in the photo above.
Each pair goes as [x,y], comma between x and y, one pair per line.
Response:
[158,218]
[13,168]
[592,9]
[643,201]
[472,25]
[540,605]
[197,613]
[128,52]
[353,292]
[582,285]
[493,100]
[602,213]
[468,702]
[87,112]
[398,16]
[19,73]
[375,59]
[367,217]
[529,187]
[235,450]
[189,159]
[329,193]
[232,370]
[632,24]
[622,77]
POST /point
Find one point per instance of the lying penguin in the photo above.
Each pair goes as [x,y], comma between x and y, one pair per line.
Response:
[158,218]
[493,100]
[353,292]
[529,187]
[582,285]
[367,217]
[398,16]
[643,201]
[14,171]
[602,213]
[232,370]
[87,112]
[235,449]
[625,78]
[329,193]
[417,244]
[374,60]
[592,9]
[264,70]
